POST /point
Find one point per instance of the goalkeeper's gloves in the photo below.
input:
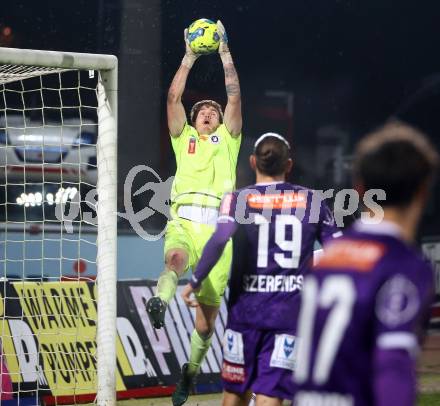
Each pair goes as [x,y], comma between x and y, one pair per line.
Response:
[190,56]
[223,48]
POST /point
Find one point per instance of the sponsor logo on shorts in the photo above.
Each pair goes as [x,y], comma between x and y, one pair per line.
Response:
[284,352]
[322,399]
[233,373]
[233,347]
[272,283]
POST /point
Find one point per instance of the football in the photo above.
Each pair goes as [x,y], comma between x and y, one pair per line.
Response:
[203,37]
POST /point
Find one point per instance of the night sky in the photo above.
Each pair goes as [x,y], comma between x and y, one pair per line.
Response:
[349,66]
[351,63]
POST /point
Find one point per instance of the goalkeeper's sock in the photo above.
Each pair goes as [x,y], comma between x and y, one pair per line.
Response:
[167,285]
[199,348]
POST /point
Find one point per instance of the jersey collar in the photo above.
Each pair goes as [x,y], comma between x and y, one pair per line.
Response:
[385,227]
[269,183]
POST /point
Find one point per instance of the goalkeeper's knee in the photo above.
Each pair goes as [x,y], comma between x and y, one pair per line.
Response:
[176,260]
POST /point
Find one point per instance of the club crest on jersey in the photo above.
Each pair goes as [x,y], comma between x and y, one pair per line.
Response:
[214,138]
[398,301]
[284,352]
[192,145]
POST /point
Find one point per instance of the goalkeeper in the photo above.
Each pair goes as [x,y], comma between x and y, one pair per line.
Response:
[206,152]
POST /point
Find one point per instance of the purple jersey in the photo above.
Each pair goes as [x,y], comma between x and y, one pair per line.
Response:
[276,228]
[367,298]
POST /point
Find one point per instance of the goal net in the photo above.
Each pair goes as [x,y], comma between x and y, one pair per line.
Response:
[57,243]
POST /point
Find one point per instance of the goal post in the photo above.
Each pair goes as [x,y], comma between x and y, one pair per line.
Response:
[46,115]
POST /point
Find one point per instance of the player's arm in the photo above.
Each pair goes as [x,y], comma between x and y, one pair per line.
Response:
[232,117]
[327,226]
[394,378]
[175,110]
[397,335]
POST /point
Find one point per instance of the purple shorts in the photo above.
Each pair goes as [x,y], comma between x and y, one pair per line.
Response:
[259,360]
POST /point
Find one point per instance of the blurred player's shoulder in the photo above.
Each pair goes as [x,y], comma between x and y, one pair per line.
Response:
[370,248]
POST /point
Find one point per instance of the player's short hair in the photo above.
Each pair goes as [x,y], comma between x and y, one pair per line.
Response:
[272,151]
[398,159]
[196,108]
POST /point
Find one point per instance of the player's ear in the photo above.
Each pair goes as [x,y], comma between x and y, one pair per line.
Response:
[253,162]
[422,194]
[360,189]
[289,166]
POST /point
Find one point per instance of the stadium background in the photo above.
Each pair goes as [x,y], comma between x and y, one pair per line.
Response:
[322,74]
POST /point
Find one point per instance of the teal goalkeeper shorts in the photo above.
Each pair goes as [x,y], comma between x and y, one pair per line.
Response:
[192,237]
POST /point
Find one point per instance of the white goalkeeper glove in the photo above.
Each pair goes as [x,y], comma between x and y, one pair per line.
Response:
[223,48]
[190,56]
